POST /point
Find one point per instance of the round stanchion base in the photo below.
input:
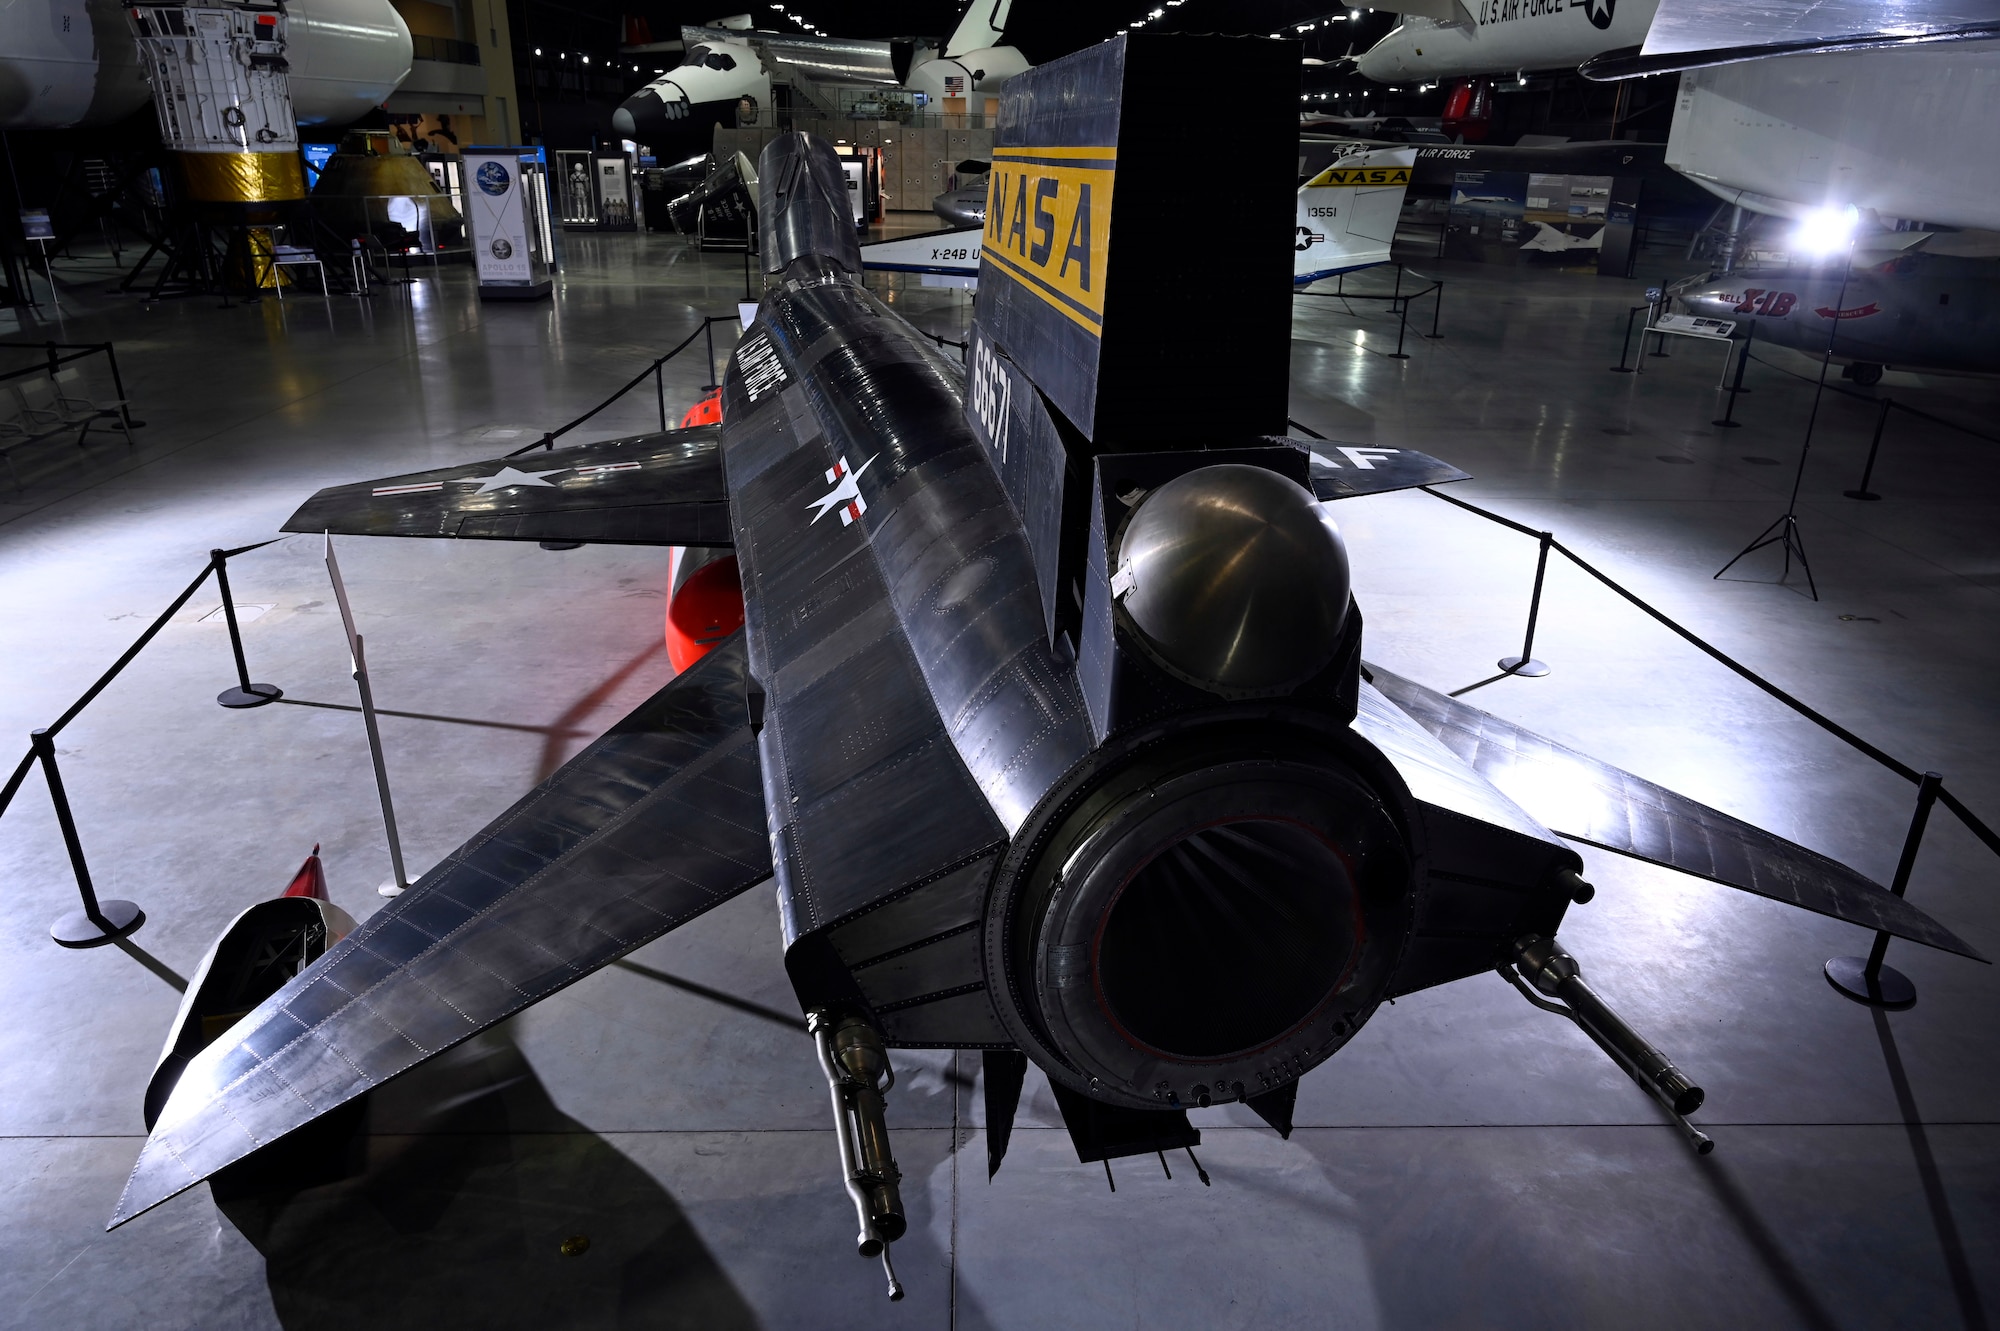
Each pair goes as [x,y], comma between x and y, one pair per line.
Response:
[1397,355]
[77,929]
[1727,425]
[1887,988]
[254,696]
[390,889]
[561,545]
[1528,669]
[1869,495]
[1624,369]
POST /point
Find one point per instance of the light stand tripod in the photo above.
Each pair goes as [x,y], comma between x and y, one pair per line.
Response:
[1784,532]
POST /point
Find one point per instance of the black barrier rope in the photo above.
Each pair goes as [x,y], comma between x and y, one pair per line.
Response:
[1399,305]
[1867,980]
[102,922]
[1819,719]
[656,370]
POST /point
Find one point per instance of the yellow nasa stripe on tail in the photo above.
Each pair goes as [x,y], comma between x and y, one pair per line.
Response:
[1048,225]
[1350,176]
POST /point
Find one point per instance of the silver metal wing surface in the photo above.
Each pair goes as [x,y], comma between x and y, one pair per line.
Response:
[1600,805]
[648,489]
[659,820]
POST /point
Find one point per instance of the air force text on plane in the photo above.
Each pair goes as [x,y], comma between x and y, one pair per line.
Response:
[1506,11]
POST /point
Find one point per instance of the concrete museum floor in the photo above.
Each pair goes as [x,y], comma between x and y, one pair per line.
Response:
[1466,1162]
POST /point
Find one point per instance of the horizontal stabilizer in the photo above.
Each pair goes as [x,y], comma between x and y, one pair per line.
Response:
[659,820]
[1599,805]
[650,489]
[1347,471]
[954,252]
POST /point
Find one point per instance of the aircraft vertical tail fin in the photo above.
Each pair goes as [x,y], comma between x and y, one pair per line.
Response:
[1347,213]
[984,25]
[802,205]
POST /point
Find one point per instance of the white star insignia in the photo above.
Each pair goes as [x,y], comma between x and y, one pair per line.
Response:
[507,476]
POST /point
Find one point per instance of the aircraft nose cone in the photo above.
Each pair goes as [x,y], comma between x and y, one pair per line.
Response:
[623,124]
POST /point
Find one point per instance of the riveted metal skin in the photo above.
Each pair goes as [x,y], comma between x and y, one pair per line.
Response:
[802,207]
[952,803]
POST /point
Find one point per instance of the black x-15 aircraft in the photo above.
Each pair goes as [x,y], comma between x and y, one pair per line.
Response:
[1048,719]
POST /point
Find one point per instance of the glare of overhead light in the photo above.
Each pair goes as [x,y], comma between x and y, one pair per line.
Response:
[538,50]
[586,60]
[1827,230]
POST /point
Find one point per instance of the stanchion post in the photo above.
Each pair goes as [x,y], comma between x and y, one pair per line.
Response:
[1868,981]
[1525,665]
[660,389]
[1659,339]
[245,694]
[708,335]
[99,922]
[1625,347]
[1402,322]
[1729,421]
[1874,446]
[118,387]
[1437,304]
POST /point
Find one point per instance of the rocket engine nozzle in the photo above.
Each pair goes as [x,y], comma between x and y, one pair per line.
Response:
[1213,917]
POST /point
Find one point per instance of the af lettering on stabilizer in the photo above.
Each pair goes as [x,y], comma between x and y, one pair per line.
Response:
[1095,241]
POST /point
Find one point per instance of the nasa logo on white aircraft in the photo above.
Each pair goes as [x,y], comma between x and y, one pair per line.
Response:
[502,248]
[846,492]
[494,179]
[1599,12]
[1308,239]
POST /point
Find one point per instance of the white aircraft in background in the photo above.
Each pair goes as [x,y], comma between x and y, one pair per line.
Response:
[725,77]
[1347,213]
[65,63]
[1788,107]
[1346,219]
[1455,39]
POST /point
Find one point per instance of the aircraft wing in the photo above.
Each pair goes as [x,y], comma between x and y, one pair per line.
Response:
[1599,805]
[1348,471]
[649,489]
[1694,34]
[659,820]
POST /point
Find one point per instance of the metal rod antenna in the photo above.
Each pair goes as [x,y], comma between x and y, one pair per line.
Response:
[360,668]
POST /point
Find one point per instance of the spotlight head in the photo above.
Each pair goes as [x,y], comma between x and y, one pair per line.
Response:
[1827,230]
